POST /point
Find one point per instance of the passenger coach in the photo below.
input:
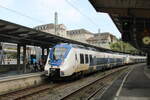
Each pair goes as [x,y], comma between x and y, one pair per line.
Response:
[70,59]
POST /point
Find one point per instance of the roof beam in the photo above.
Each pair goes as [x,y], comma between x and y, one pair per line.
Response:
[2,27]
[123,7]
[18,33]
[9,30]
[25,40]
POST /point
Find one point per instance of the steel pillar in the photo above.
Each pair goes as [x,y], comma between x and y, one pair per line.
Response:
[47,51]
[2,61]
[18,57]
[24,59]
[1,53]
[43,53]
[47,54]
[148,60]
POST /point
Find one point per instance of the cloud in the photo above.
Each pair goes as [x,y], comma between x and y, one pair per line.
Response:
[7,3]
[72,15]
[46,9]
[51,3]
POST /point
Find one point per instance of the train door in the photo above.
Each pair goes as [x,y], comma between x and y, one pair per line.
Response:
[108,61]
[76,61]
[91,60]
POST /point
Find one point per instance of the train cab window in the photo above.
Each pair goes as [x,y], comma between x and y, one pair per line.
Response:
[86,59]
[81,59]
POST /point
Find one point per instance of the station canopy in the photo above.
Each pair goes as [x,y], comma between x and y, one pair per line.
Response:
[14,33]
[132,18]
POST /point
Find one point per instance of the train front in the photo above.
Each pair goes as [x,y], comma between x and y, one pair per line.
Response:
[56,60]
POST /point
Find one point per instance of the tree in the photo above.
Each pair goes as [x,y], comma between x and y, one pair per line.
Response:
[123,47]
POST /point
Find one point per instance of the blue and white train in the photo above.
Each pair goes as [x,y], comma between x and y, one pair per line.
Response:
[70,59]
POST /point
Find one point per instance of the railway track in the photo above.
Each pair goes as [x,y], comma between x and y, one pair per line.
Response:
[26,93]
[57,91]
[89,91]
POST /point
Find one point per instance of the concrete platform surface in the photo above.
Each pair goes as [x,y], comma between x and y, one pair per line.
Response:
[134,85]
[17,82]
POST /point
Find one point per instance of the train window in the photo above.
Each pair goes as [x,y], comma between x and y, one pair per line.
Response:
[86,59]
[81,59]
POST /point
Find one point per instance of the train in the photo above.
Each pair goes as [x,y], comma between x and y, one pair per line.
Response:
[66,60]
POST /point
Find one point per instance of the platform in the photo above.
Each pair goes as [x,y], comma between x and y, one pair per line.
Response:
[17,82]
[134,85]
[12,69]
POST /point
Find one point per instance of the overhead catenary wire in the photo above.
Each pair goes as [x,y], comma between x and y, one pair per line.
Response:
[21,14]
[81,13]
[41,21]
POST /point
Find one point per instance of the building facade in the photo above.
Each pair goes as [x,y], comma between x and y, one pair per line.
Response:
[79,35]
[102,40]
[82,35]
[50,28]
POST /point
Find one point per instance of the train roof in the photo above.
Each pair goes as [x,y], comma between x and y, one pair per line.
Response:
[95,49]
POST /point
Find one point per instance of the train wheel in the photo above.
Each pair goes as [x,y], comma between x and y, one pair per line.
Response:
[103,68]
[81,75]
[73,77]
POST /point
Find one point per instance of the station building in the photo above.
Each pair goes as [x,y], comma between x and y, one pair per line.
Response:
[50,28]
[80,35]
[102,40]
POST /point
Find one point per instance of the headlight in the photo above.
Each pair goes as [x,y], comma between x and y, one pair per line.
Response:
[61,73]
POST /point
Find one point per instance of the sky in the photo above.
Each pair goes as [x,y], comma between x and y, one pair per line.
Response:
[75,14]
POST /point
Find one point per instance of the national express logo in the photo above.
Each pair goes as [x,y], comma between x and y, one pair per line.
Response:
[146,38]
